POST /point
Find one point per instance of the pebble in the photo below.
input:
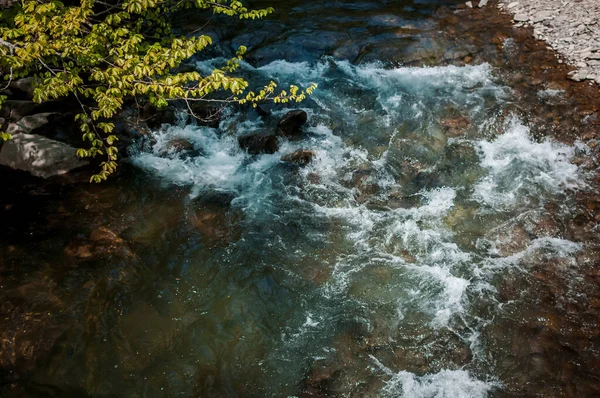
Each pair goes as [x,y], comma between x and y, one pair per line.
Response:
[521,17]
[569,28]
[542,16]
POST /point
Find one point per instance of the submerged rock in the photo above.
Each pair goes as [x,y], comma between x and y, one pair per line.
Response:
[79,250]
[102,242]
[259,143]
[215,224]
[104,234]
[40,156]
[291,124]
[301,157]
[510,240]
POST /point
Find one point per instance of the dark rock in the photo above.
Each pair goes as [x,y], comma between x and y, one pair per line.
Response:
[263,111]
[155,117]
[362,181]
[259,143]
[301,157]
[205,115]
[20,89]
[214,198]
[292,122]
[14,110]
[314,178]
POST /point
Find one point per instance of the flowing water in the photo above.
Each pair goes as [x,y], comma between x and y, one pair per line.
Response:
[378,269]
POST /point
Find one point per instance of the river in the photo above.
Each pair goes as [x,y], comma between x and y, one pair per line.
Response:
[441,242]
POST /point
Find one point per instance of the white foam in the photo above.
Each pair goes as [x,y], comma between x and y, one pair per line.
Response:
[548,246]
[437,76]
[520,169]
[550,94]
[216,168]
[444,384]
[304,71]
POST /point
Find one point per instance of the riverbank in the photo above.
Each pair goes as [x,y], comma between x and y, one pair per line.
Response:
[571,28]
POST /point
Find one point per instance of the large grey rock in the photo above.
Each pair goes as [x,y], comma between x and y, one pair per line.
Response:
[29,123]
[39,155]
[25,85]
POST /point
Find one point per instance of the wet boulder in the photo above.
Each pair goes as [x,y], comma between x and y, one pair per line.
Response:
[300,158]
[291,124]
[258,143]
[181,145]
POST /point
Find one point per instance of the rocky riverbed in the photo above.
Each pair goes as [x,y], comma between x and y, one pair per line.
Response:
[572,28]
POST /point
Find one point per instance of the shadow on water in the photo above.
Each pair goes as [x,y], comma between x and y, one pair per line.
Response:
[436,245]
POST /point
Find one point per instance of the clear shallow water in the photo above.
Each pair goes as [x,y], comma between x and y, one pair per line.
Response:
[377,270]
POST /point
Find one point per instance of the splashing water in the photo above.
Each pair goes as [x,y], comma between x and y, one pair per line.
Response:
[372,232]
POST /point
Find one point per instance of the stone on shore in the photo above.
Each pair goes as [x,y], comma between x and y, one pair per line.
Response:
[569,28]
[29,123]
[521,17]
[40,156]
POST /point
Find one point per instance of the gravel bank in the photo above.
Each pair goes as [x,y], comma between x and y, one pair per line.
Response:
[571,27]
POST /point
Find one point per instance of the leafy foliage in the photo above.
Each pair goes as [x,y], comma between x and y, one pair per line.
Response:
[104,53]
